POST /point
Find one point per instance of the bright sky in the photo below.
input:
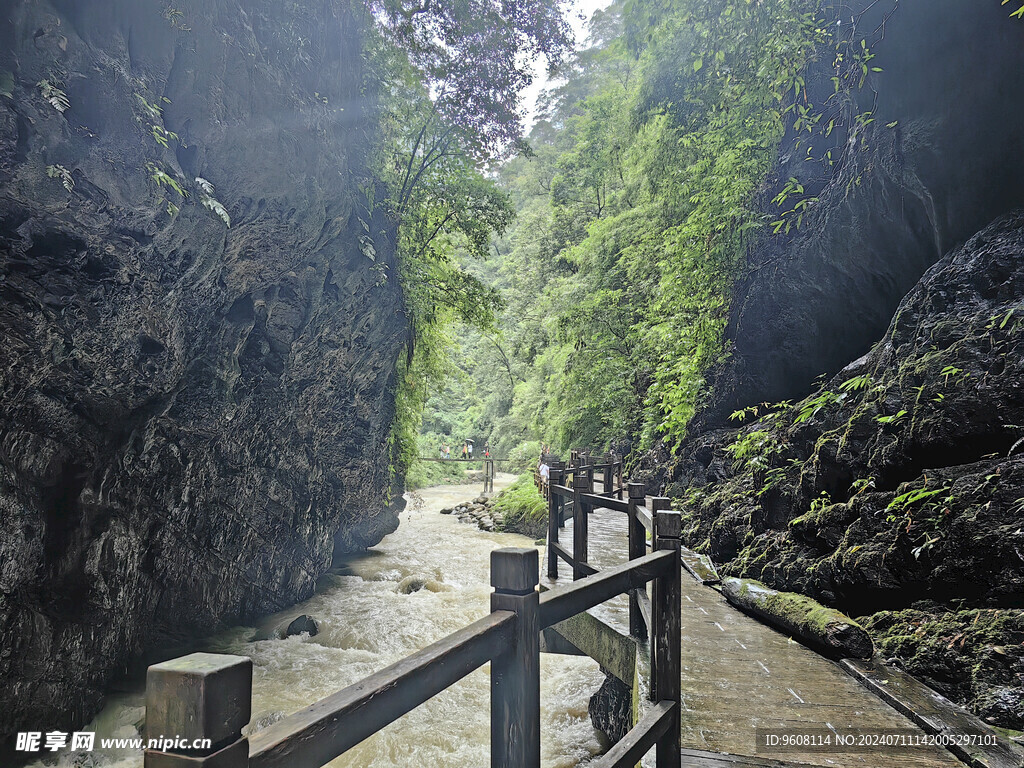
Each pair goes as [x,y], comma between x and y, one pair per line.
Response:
[578,14]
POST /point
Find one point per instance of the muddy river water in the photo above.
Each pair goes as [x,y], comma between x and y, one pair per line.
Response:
[368,621]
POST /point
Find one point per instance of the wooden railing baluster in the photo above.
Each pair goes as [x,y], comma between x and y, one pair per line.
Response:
[666,637]
[580,485]
[637,548]
[515,673]
[554,521]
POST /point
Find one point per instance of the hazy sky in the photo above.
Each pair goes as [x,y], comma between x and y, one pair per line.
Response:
[578,14]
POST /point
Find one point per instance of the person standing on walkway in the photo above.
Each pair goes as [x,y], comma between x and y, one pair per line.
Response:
[470,450]
[465,450]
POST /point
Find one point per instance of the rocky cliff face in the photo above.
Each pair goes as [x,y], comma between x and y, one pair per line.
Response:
[938,161]
[899,484]
[191,411]
[894,489]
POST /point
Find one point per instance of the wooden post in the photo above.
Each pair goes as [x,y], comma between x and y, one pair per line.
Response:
[515,674]
[554,522]
[618,477]
[666,641]
[637,548]
[562,480]
[199,696]
[580,485]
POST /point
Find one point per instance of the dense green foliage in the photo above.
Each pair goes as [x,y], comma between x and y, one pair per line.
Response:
[650,173]
[423,474]
[475,54]
[446,81]
[635,209]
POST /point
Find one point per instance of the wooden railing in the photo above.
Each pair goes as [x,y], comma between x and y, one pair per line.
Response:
[208,696]
[604,469]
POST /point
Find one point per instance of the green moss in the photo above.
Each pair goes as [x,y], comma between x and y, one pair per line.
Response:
[803,617]
[975,657]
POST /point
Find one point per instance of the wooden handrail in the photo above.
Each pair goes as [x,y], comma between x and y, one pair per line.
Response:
[566,555]
[559,604]
[643,603]
[607,502]
[641,737]
[319,733]
[644,516]
[475,458]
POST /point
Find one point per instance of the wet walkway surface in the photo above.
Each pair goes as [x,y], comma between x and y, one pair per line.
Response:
[739,675]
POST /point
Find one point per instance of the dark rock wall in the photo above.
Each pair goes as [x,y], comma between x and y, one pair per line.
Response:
[899,199]
[899,483]
[808,503]
[190,411]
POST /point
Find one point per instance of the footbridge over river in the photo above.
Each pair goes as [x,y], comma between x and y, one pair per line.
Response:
[705,681]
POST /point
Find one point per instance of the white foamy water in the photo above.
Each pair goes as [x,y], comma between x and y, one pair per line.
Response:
[366,623]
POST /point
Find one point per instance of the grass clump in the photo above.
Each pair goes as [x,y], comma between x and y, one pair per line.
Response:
[521,509]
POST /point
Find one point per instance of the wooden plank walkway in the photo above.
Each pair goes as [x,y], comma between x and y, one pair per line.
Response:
[739,675]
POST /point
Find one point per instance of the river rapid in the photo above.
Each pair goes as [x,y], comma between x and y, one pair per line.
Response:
[366,622]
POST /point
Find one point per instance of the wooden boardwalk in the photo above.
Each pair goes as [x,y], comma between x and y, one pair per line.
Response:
[739,675]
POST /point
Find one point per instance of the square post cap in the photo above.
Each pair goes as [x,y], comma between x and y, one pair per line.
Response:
[199,696]
[515,570]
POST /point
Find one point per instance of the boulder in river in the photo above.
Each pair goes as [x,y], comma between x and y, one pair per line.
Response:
[302,624]
[611,709]
[411,584]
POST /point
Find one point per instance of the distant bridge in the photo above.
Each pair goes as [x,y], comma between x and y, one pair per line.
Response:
[488,462]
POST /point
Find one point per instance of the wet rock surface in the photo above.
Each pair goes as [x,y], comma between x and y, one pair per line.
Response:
[302,624]
[900,479]
[974,656]
[195,414]
[611,709]
[937,162]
